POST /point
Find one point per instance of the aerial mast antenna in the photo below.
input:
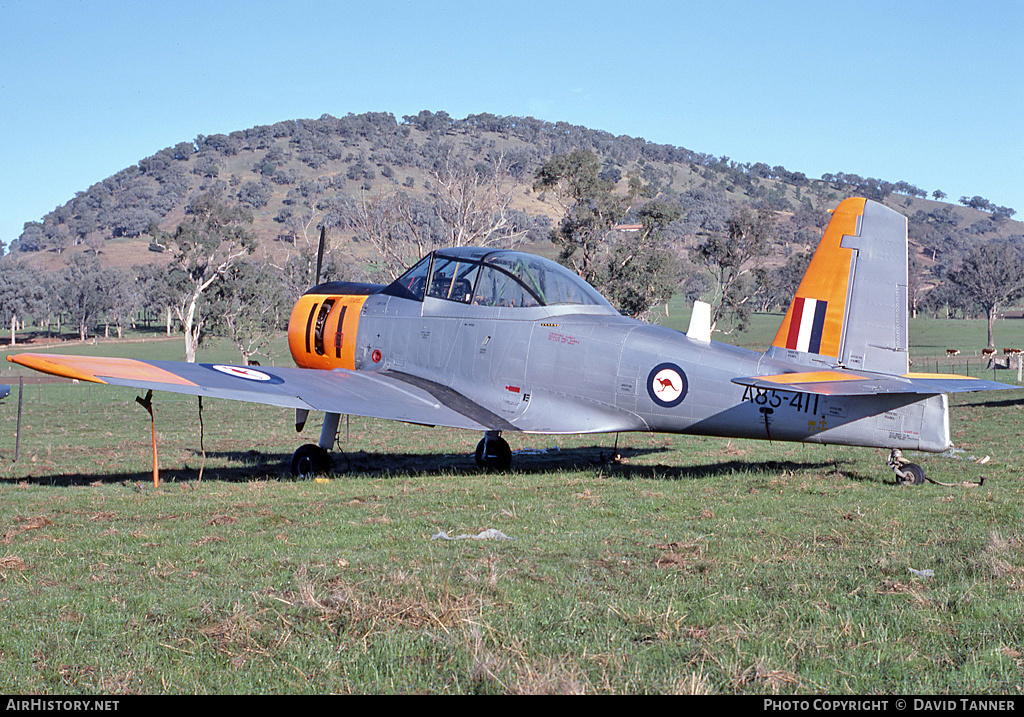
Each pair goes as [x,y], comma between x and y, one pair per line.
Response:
[320,252]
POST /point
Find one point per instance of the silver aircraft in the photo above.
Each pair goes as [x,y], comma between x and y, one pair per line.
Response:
[504,342]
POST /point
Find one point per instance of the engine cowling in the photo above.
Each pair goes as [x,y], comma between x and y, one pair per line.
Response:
[323,329]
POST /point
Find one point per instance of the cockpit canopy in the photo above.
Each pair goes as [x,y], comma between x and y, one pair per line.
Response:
[495,278]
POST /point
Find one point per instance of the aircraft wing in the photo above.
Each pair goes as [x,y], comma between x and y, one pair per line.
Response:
[359,393]
[860,383]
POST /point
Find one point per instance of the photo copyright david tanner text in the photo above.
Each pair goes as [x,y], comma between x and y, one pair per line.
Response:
[894,704]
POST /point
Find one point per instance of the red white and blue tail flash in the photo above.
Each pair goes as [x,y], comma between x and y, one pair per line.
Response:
[807,325]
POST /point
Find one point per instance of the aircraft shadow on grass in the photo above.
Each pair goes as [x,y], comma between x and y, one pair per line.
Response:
[249,466]
[994,403]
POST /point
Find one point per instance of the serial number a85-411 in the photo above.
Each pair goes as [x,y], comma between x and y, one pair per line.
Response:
[799,402]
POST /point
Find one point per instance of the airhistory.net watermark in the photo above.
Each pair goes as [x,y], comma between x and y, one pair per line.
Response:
[57,705]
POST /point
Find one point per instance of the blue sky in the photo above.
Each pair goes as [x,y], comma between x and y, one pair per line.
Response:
[928,93]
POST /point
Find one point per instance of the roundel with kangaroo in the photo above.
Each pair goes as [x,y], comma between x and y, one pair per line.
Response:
[666,385]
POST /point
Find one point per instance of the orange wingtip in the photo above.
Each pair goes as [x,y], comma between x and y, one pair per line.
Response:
[90,368]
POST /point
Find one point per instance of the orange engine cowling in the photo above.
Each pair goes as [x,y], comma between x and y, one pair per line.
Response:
[322,330]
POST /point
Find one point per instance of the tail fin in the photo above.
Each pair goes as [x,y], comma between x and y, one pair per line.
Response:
[851,307]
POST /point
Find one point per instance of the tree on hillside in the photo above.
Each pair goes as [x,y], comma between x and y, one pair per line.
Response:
[156,295]
[731,257]
[945,300]
[591,209]
[85,288]
[252,305]
[774,288]
[125,295]
[213,238]
[635,267]
[474,202]
[21,293]
[976,202]
[395,227]
[304,224]
[991,275]
[916,288]
[642,270]
[468,205]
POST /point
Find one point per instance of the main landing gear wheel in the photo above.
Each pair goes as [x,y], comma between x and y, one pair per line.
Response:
[310,460]
[493,453]
[907,473]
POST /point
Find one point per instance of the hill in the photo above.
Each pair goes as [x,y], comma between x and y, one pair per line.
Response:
[297,174]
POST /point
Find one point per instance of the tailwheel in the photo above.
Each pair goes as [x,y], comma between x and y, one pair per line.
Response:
[913,474]
[907,473]
[310,460]
[493,452]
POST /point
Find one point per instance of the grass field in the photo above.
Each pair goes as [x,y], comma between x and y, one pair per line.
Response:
[693,566]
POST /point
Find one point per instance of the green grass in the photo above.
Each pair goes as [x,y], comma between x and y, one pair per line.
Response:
[693,566]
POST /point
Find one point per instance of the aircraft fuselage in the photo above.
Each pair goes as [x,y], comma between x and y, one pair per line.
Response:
[575,369]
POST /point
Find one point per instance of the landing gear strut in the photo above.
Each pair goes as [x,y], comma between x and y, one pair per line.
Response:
[493,453]
[907,473]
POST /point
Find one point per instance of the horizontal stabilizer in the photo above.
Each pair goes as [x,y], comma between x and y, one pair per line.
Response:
[858,383]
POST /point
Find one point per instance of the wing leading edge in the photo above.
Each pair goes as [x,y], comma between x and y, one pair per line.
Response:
[857,383]
[359,393]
